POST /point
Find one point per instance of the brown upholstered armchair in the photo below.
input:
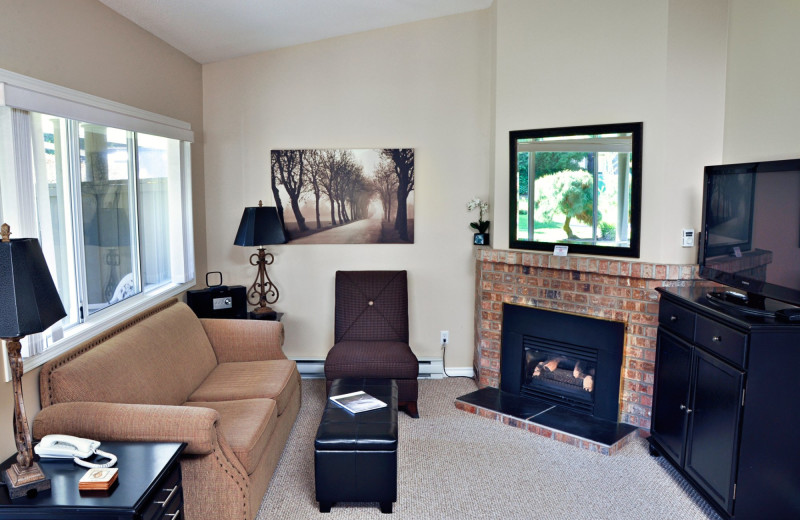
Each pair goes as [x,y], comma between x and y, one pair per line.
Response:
[371,333]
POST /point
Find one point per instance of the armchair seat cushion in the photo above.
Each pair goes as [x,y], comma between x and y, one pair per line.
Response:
[247,425]
[372,359]
[249,380]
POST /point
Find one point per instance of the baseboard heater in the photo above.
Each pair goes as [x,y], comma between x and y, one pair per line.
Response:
[429,368]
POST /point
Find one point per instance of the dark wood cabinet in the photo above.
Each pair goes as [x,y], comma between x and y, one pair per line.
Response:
[674,362]
[713,430]
[725,406]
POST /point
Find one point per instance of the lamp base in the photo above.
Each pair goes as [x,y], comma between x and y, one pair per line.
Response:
[25,481]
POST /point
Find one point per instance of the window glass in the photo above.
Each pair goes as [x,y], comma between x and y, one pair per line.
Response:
[51,158]
[107,202]
[159,179]
[577,186]
[125,186]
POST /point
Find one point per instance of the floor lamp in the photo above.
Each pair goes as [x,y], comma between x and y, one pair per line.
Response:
[29,303]
[261,226]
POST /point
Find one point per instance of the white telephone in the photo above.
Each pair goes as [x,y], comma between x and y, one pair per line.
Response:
[67,446]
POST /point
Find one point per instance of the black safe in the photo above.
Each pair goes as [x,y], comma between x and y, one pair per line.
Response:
[220,301]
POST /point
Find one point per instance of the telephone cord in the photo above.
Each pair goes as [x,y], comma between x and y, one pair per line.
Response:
[112,459]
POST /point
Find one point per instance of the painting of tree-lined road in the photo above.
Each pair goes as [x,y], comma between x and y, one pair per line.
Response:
[358,196]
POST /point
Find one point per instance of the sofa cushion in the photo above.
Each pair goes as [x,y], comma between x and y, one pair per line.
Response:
[249,380]
[161,359]
[375,359]
[247,425]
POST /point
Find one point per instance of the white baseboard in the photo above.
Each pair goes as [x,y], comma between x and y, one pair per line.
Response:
[461,372]
[429,368]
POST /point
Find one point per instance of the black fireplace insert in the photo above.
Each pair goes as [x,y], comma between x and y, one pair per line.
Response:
[563,359]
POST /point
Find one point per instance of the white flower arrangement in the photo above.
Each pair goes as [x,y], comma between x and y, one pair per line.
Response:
[481,226]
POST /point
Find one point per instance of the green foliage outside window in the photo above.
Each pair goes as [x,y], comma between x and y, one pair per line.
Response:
[567,192]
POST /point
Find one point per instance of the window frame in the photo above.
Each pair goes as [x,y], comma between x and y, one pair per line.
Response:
[631,251]
[32,95]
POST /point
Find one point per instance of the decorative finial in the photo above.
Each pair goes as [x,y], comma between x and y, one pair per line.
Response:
[5,232]
[260,204]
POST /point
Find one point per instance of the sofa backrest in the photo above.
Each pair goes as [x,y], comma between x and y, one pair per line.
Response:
[157,357]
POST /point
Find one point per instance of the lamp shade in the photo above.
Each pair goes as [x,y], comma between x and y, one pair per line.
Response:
[260,226]
[29,301]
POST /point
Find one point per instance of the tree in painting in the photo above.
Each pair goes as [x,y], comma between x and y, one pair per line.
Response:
[287,166]
[403,159]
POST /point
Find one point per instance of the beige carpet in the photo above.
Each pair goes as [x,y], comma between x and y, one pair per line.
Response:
[455,465]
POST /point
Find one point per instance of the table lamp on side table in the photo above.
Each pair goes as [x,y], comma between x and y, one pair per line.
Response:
[261,226]
[29,303]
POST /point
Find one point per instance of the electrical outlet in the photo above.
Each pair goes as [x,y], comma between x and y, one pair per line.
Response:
[444,338]
[222,303]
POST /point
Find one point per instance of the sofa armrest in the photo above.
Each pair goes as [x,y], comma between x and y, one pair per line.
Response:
[195,426]
[244,340]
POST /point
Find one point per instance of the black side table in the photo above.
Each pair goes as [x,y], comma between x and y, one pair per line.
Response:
[148,487]
[253,316]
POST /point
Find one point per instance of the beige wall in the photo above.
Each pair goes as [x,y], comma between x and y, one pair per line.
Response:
[83,45]
[581,62]
[762,105]
[425,86]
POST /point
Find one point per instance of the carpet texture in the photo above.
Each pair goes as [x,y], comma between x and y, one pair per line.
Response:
[456,465]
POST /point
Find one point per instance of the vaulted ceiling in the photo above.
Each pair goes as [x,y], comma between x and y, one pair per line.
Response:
[214,30]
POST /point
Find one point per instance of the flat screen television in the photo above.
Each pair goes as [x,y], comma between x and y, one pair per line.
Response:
[751,235]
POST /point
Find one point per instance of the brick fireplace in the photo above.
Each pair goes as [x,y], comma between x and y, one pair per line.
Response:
[619,290]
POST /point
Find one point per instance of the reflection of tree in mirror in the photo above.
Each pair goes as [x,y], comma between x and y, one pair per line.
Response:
[553,162]
[352,196]
[567,192]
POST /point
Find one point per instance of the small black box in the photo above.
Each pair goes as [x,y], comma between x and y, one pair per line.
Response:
[220,301]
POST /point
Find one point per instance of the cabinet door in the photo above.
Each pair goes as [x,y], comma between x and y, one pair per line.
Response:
[671,394]
[713,436]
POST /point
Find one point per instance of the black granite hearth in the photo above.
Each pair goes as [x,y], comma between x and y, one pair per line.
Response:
[551,417]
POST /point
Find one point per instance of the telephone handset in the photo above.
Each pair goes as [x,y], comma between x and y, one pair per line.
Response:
[67,446]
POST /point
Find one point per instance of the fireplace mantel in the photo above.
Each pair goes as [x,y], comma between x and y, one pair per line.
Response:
[620,290]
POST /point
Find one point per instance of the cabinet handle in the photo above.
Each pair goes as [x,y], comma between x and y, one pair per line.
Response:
[169,497]
[687,410]
[174,515]
[716,338]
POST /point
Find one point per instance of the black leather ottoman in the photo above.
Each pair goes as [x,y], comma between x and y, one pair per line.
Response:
[355,455]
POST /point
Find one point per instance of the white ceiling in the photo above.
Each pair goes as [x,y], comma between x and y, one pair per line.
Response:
[214,30]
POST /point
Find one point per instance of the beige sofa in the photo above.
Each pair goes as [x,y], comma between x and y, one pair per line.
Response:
[222,386]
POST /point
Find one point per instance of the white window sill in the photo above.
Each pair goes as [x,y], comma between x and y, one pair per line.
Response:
[97,323]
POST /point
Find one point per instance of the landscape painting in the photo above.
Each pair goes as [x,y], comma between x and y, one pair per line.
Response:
[345,196]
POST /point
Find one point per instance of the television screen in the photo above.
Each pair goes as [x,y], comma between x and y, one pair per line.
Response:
[751,229]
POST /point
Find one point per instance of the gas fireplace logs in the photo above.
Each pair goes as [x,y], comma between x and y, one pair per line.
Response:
[558,369]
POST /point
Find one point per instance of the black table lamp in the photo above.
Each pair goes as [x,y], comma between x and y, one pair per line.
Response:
[261,226]
[29,303]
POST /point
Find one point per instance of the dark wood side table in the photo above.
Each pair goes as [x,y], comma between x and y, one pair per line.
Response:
[253,316]
[148,487]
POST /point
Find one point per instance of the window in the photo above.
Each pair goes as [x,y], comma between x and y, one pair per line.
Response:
[106,189]
[577,186]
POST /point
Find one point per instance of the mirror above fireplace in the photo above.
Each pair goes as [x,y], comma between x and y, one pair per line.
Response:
[577,186]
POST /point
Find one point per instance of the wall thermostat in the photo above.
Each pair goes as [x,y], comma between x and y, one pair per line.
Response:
[688,237]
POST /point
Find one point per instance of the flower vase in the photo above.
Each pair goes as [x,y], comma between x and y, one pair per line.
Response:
[481,239]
